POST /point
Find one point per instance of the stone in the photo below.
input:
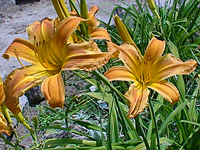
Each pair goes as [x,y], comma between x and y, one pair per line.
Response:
[22,101]
[34,96]
[19,2]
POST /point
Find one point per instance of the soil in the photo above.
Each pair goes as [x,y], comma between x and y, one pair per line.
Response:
[13,22]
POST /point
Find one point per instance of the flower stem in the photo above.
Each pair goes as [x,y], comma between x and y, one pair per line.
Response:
[33,134]
[61,9]
[105,80]
[142,132]
[6,141]
[8,118]
[154,123]
[72,4]
[20,119]
[6,113]
[123,32]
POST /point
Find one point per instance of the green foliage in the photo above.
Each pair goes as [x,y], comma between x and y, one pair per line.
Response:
[46,116]
[179,25]
[101,115]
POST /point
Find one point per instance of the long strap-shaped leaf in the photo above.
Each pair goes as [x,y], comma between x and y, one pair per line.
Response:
[128,127]
[171,116]
[61,9]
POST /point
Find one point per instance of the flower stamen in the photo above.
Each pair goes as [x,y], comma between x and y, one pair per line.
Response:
[19,59]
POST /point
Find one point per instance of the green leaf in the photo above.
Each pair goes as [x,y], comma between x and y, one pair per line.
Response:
[35,122]
[157,104]
[173,49]
[193,112]
[181,86]
[171,116]
[105,97]
[89,79]
[89,125]
[54,142]
[190,122]
[54,127]
[165,142]
[113,128]
[25,136]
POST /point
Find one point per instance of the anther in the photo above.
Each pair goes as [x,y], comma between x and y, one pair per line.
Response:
[34,37]
[36,44]
[148,78]
[19,59]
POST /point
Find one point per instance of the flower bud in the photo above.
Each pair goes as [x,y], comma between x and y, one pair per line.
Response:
[61,9]
[152,4]
[125,36]
[84,10]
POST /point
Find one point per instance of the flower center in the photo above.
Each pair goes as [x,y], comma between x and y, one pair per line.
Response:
[45,56]
[145,71]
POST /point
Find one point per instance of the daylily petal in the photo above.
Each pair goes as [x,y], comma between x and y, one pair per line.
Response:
[4,125]
[87,62]
[64,31]
[22,49]
[1,82]
[19,81]
[91,15]
[85,56]
[2,95]
[154,50]
[119,73]
[73,13]
[99,33]
[167,66]
[166,89]
[83,48]
[138,100]
[111,47]
[129,56]
[54,90]
[40,30]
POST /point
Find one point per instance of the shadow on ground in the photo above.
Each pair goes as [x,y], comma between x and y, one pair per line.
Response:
[22,2]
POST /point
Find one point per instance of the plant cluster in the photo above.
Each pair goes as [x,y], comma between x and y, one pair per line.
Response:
[133,66]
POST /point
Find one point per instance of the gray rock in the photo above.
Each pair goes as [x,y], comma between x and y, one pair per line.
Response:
[22,101]
[34,96]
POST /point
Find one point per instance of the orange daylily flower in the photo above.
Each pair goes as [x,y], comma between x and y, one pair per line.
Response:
[49,52]
[3,122]
[146,72]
